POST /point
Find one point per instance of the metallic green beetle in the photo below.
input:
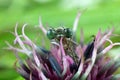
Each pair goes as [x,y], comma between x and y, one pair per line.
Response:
[67,34]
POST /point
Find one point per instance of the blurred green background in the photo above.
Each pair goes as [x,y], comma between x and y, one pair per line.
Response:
[98,14]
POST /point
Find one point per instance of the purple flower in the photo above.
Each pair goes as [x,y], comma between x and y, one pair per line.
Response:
[66,59]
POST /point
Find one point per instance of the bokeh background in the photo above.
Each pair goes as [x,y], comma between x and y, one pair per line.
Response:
[96,14]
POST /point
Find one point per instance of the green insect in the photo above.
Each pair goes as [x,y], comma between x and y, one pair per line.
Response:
[67,34]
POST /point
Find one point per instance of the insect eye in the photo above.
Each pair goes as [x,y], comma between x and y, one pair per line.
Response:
[68,32]
[51,34]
